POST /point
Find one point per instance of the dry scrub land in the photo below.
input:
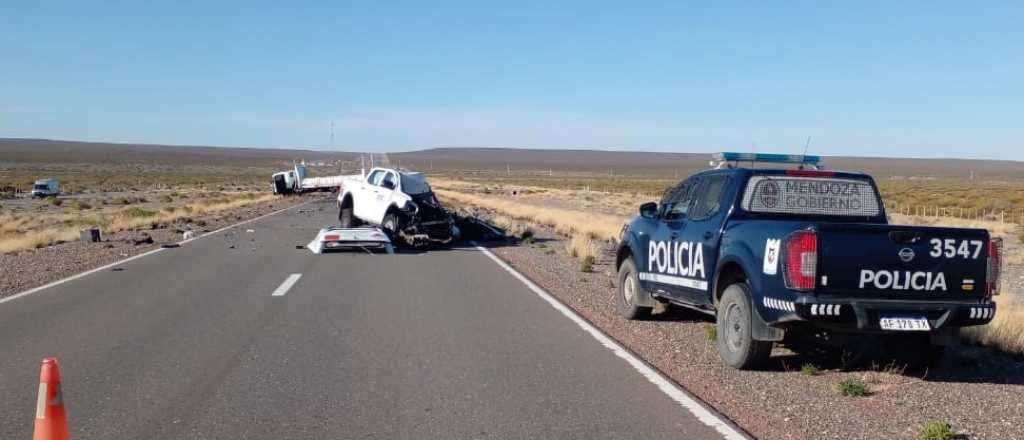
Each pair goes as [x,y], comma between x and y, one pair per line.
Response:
[565,235]
[136,208]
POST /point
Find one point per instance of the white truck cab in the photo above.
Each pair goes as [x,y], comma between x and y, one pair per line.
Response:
[46,188]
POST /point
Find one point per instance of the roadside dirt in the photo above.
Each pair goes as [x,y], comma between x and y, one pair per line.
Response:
[24,270]
[977,390]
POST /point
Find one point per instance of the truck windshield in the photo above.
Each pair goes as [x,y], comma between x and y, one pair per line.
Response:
[42,187]
[414,184]
[800,195]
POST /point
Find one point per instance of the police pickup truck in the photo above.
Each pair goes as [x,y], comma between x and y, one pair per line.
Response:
[775,254]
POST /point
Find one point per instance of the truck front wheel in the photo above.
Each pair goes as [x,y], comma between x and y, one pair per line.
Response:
[345,217]
[734,322]
[628,293]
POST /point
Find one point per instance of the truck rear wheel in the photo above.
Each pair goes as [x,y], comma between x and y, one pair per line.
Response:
[628,293]
[734,322]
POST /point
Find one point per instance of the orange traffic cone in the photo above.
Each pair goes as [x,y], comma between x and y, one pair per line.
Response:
[51,421]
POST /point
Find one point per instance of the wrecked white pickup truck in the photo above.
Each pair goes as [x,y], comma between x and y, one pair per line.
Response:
[400,202]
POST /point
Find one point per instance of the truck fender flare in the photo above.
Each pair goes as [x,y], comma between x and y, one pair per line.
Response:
[739,254]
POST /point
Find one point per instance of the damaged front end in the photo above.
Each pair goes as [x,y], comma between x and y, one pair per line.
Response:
[426,222]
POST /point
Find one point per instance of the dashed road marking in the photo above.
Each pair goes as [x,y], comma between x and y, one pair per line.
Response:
[287,284]
[688,401]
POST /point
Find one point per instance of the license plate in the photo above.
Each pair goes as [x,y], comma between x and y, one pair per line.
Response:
[904,324]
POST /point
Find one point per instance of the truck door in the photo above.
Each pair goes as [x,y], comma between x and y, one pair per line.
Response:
[382,195]
[363,196]
[667,268]
[703,234]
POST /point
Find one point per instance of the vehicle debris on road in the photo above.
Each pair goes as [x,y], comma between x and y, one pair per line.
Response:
[334,238]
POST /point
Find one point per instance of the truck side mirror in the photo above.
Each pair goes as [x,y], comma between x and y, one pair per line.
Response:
[649,210]
[388,184]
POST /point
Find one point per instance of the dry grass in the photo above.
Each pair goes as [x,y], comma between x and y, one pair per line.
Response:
[564,221]
[37,239]
[32,231]
[581,247]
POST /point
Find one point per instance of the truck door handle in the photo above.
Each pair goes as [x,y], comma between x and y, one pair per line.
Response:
[708,235]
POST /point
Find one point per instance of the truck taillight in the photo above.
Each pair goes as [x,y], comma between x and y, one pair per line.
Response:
[800,257]
[995,263]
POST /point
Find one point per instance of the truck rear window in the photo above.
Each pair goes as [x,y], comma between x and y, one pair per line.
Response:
[811,196]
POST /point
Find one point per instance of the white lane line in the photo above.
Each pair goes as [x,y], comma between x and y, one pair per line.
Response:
[670,388]
[135,257]
[287,284]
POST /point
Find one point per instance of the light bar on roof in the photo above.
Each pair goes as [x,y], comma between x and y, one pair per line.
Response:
[766,157]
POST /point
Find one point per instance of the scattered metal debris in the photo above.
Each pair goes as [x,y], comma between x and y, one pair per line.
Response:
[335,238]
[473,228]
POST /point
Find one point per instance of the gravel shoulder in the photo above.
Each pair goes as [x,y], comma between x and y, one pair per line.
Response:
[24,270]
[975,389]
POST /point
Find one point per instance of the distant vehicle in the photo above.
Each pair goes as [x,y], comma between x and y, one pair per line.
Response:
[789,255]
[400,202]
[46,188]
[297,180]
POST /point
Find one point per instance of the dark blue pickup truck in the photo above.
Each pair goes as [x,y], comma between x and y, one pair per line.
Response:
[777,254]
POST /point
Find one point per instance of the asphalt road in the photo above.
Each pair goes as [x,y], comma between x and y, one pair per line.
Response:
[191,343]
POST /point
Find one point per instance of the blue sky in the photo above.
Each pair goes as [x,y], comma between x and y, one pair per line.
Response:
[928,79]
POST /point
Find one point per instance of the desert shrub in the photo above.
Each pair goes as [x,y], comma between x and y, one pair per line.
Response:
[527,236]
[136,212]
[936,430]
[165,199]
[79,205]
[54,200]
[587,265]
[810,370]
[170,209]
[852,387]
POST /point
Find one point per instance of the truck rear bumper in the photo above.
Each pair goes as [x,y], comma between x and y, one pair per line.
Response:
[865,316]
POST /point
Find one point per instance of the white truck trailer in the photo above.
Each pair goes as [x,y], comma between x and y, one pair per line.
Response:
[297,180]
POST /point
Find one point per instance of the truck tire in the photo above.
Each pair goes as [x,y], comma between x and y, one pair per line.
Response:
[628,293]
[345,217]
[390,226]
[734,325]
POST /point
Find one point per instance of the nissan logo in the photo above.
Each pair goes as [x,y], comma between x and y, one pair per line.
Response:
[906,254]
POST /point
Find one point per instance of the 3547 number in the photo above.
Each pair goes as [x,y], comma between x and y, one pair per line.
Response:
[952,248]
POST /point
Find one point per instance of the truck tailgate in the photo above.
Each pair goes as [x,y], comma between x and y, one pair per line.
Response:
[893,262]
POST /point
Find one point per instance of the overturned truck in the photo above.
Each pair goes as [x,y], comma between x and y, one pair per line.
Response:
[400,202]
